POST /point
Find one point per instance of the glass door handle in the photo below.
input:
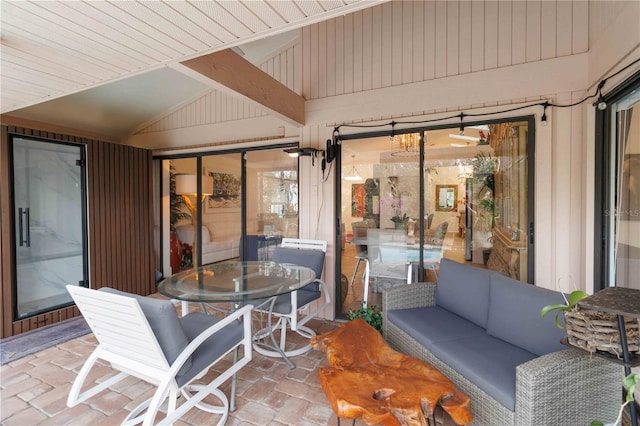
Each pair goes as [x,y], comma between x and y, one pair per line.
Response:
[23,226]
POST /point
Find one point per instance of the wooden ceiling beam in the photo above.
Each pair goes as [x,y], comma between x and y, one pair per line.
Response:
[231,73]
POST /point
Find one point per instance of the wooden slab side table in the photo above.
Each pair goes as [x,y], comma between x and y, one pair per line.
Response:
[369,380]
[623,302]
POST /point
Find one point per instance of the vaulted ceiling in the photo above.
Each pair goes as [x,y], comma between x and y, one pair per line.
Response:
[109,66]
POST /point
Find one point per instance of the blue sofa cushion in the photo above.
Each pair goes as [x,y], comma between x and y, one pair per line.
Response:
[432,324]
[514,315]
[487,362]
[464,290]
[163,319]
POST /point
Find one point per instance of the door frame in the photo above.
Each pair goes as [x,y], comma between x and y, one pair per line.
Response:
[603,235]
[339,139]
[85,231]
[243,206]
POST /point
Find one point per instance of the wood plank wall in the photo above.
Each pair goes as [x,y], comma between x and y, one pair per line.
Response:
[217,107]
[119,192]
[406,42]
[400,43]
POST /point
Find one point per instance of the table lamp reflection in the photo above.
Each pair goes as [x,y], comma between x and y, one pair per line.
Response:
[187,187]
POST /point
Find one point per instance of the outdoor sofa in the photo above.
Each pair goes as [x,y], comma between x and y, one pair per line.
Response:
[484,331]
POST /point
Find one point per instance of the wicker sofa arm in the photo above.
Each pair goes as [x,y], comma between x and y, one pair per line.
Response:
[409,296]
[567,387]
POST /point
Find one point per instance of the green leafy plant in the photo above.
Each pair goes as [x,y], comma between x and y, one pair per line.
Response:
[178,206]
[371,314]
[630,382]
[570,305]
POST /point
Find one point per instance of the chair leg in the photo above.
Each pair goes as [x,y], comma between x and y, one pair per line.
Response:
[283,334]
[232,402]
[366,283]
[355,270]
[75,397]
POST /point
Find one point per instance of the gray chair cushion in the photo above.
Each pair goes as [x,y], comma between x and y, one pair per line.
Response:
[487,362]
[309,258]
[163,319]
[464,290]
[514,315]
[212,348]
[432,324]
[282,305]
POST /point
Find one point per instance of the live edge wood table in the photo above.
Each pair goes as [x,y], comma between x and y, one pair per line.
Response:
[369,380]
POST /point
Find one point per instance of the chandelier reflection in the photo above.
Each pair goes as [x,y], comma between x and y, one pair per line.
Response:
[408,145]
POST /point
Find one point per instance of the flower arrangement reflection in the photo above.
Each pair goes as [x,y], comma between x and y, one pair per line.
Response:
[397,206]
[187,256]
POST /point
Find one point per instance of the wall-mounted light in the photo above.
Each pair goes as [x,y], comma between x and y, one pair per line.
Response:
[543,119]
[303,152]
[392,137]
[308,152]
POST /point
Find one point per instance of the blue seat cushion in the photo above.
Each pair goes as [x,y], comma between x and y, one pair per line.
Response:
[464,290]
[163,319]
[282,305]
[487,362]
[212,348]
[308,258]
[514,315]
[428,325]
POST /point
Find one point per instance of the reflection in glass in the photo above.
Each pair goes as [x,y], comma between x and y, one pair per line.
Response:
[623,216]
[49,223]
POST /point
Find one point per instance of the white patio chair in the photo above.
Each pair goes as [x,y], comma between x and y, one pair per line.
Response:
[288,307]
[143,337]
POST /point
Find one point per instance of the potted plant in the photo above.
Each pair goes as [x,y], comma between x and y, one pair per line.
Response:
[395,204]
[570,305]
[630,382]
[483,203]
[592,330]
[176,214]
[371,314]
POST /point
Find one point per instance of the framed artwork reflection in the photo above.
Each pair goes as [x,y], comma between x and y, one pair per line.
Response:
[226,192]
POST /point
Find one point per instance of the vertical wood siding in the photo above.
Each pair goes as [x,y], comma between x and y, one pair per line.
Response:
[217,107]
[119,184]
[406,42]
[210,108]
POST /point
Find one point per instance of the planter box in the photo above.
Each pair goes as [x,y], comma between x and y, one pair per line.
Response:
[598,331]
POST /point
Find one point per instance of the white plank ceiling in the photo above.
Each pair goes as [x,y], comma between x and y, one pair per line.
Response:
[53,49]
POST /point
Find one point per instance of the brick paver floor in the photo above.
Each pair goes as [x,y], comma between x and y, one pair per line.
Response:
[34,389]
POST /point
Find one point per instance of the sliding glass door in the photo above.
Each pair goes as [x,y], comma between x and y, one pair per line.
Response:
[49,216]
[222,209]
[618,189]
[410,200]
[248,201]
[272,201]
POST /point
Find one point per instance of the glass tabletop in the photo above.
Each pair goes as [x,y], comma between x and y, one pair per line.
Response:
[236,281]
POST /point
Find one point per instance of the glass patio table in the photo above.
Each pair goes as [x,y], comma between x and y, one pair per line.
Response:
[238,283]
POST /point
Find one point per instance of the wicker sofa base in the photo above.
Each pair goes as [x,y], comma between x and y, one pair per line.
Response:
[568,387]
[485,409]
